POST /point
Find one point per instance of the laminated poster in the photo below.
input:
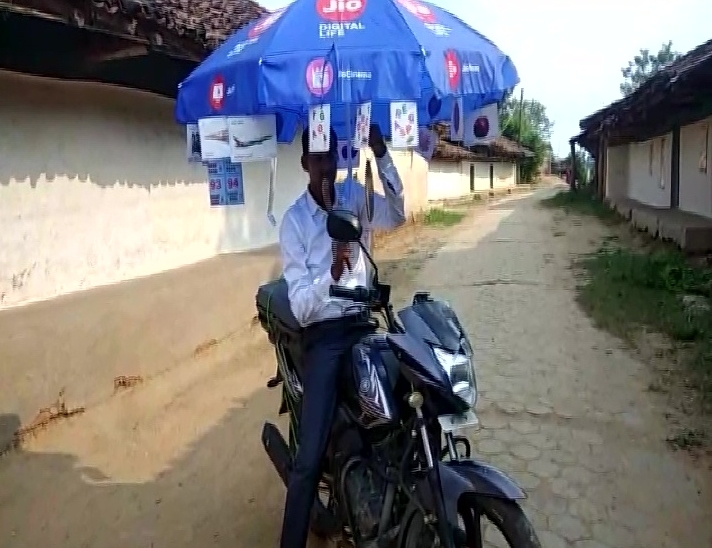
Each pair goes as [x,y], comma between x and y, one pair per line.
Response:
[252,138]
[216,183]
[427,138]
[344,156]
[363,125]
[404,124]
[457,121]
[193,143]
[320,128]
[214,140]
[481,126]
[234,183]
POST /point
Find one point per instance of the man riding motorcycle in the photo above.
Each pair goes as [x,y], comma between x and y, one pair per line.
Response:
[311,264]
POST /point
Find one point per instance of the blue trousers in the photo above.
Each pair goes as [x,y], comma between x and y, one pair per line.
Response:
[325,345]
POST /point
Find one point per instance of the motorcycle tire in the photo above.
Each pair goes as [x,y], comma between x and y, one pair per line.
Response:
[506,516]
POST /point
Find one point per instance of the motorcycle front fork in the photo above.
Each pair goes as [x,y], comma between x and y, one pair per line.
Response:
[445,532]
[443,526]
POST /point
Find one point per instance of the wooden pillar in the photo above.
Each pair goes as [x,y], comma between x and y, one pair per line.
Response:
[603,167]
[675,169]
[572,180]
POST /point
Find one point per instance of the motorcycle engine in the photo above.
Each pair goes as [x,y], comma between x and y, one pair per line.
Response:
[365,492]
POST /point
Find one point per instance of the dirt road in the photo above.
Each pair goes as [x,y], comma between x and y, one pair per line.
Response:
[176,462]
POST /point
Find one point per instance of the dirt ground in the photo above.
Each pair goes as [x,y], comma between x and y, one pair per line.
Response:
[176,461]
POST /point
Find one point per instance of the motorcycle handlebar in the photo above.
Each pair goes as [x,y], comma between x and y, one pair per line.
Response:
[358,294]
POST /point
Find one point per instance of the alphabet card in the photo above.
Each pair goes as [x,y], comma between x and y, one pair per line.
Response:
[404,124]
[320,128]
[363,125]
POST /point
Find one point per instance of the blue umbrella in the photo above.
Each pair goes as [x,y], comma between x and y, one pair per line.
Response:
[346,52]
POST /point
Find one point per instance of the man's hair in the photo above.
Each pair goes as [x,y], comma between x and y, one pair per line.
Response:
[333,145]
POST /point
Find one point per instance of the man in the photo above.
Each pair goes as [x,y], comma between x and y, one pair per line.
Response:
[312,262]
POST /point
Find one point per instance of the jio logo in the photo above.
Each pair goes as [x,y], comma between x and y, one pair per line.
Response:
[319,76]
[453,69]
[340,10]
[217,93]
[421,11]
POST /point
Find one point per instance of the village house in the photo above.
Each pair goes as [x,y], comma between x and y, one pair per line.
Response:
[95,187]
[652,152]
[457,172]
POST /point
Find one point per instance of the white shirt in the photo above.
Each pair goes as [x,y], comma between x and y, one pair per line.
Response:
[307,248]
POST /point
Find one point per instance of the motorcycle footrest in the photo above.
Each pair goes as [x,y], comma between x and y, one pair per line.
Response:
[277,450]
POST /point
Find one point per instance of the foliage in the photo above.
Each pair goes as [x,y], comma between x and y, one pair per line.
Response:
[644,65]
[583,202]
[442,217]
[529,125]
[584,163]
[627,290]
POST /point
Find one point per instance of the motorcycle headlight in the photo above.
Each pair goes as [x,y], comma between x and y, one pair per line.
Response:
[461,371]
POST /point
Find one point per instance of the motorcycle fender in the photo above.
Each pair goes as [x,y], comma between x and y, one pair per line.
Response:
[462,477]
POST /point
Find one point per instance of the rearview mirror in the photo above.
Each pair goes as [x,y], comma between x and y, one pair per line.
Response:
[343,226]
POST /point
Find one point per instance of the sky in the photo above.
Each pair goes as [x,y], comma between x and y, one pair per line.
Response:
[569,52]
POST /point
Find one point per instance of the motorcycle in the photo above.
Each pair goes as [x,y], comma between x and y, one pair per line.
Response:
[397,472]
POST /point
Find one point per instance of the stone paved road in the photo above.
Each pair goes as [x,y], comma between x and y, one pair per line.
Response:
[564,407]
[177,462]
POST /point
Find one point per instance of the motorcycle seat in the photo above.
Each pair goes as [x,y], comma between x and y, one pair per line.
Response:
[275,313]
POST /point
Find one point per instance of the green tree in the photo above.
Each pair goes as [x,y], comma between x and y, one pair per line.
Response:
[530,126]
[644,65]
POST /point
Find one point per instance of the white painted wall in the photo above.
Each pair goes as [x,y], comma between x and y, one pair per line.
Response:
[505,175]
[649,171]
[447,180]
[482,176]
[617,175]
[95,188]
[696,168]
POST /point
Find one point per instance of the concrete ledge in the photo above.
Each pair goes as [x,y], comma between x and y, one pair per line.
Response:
[693,233]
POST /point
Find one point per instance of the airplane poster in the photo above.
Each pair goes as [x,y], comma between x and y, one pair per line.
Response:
[252,138]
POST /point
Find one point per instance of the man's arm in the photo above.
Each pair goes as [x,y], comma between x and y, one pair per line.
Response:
[306,294]
[388,210]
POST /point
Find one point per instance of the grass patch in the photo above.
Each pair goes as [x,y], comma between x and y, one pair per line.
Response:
[584,202]
[627,290]
[442,217]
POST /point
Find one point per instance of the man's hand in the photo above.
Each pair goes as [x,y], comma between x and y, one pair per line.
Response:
[342,260]
[376,141]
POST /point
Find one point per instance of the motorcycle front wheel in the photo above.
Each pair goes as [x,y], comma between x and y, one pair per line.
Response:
[509,527]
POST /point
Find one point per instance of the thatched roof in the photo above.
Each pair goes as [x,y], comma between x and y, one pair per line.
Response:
[676,95]
[208,21]
[193,26]
[498,148]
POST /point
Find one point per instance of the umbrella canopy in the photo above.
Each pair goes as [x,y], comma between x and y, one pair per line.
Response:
[346,52]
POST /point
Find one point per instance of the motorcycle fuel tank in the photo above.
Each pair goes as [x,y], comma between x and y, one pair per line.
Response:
[375,371]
